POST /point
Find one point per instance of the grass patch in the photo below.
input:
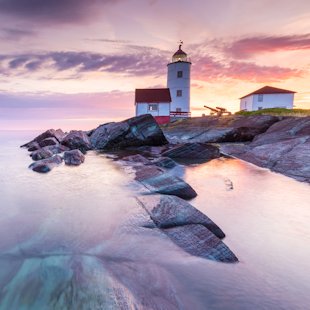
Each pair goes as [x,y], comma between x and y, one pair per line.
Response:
[277,112]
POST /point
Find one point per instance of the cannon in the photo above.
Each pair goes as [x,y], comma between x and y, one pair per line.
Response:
[219,111]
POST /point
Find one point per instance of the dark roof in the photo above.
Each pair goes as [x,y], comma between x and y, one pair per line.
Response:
[154,95]
[179,52]
[269,90]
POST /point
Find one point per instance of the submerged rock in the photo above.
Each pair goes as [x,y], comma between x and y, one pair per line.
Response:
[77,139]
[41,154]
[136,131]
[159,181]
[46,165]
[164,162]
[73,157]
[136,159]
[193,152]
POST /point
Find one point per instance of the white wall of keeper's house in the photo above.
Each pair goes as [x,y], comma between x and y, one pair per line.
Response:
[175,83]
[143,108]
[252,103]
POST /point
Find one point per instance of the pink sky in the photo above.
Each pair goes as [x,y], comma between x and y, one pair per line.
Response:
[76,63]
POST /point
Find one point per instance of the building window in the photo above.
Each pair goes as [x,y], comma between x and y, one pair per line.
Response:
[260,108]
[260,98]
[178,110]
[179,93]
[153,107]
[180,74]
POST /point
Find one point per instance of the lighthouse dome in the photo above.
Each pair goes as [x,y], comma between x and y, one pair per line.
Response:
[179,55]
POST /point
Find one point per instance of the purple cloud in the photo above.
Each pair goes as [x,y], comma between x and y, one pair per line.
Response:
[247,47]
[64,11]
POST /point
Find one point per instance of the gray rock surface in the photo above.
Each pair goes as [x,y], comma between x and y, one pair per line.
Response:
[193,152]
[74,157]
[41,154]
[170,211]
[46,165]
[48,141]
[159,181]
[234,128]
[136,159]
[187,227]
[283,148]
[164,162]
[136,131]
[77,139]
[51,133]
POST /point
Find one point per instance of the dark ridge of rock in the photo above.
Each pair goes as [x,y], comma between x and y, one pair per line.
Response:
[171,211]
[158,181]
[77,139]
[149,151]
[74,157]
[48,141]
[234,128]
[33,146]
[193,152]
[137,159]
[46,165]
[51,133]
[41,154]
[164,162]
[197,240]
[136,131]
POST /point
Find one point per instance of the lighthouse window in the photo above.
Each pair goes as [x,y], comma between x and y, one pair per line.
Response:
[180,74]
[153,107]
[179,93]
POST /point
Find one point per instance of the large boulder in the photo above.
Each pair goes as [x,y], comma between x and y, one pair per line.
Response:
[46,165]
[74,157]
[51,133]
[77,139]
[159,181]
[136,131]
[193,152]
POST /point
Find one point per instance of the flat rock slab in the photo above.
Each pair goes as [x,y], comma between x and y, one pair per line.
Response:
[159,181]
[187,227]
[171,211]
[193,152]
[197,240]
[51,133]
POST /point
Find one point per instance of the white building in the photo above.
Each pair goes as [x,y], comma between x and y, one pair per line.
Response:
[154,101]
[267,98]
[178,81]
[173,101]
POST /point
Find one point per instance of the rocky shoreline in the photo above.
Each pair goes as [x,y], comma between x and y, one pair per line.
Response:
[278,143]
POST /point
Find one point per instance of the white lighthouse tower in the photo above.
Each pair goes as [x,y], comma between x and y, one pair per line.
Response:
[178,81]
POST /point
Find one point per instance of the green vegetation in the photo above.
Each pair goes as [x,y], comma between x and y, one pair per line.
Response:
[277,112]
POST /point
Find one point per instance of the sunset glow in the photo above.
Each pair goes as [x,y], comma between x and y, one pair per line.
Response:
[76,63]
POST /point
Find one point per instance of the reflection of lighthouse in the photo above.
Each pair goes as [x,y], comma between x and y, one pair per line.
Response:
[178,81]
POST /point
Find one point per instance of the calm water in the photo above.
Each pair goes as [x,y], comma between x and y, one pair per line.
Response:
[73,239]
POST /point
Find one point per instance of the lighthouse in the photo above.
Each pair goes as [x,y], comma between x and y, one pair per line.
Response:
[178,81]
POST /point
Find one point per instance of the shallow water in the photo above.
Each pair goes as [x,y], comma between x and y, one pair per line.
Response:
[73,239]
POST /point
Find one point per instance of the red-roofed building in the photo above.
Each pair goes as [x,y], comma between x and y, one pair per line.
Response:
[154,101]
[266,98]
